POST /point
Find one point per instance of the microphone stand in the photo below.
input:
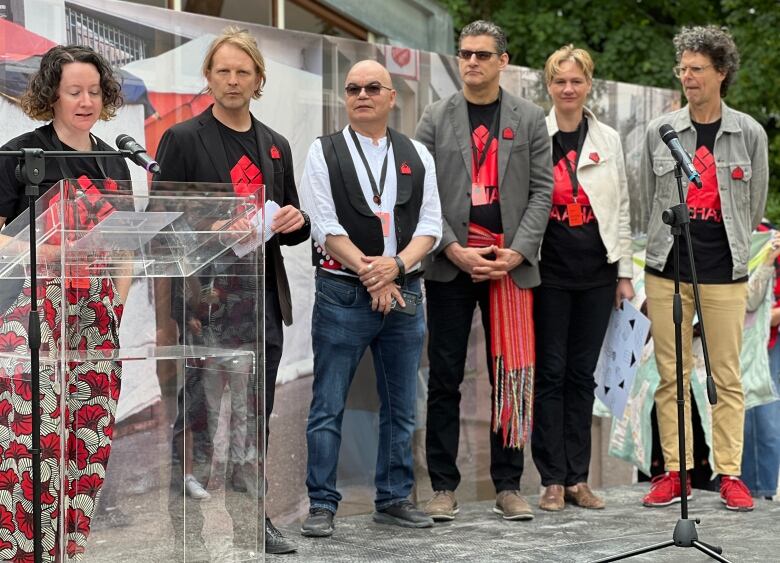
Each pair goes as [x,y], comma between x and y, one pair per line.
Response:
[32,170]
[685,534]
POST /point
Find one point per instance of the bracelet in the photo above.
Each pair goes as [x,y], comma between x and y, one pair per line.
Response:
[401,278]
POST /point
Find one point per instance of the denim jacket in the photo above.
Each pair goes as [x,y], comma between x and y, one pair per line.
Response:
[743,177]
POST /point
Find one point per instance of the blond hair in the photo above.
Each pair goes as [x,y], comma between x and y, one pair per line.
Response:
[242,39]
[568,53]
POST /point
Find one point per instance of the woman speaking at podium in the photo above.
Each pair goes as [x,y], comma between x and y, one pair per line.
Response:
[73,88]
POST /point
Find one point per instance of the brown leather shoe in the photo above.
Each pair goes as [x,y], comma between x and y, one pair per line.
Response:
[443,506]
[581,495]
[513,506]
[552,498]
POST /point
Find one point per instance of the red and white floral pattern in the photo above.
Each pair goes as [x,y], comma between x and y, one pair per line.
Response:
[91,392]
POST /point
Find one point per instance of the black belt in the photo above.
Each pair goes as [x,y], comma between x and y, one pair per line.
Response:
[354,280]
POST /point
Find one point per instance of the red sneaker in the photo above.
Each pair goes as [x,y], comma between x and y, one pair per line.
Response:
[665,489]
[735,494]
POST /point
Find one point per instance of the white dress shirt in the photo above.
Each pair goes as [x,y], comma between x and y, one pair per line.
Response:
[317,199]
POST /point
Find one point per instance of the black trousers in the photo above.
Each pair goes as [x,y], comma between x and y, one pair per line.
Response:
[570,327]
[450,308]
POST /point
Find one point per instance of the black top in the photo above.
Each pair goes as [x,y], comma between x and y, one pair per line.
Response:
[573,256]
[193,151]
[12,199]
[711,250]
[485,206]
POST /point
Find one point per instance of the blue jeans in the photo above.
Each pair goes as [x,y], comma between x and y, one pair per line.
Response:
[761,452]
[343,327]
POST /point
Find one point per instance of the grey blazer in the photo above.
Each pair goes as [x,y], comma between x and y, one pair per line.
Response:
[524,177]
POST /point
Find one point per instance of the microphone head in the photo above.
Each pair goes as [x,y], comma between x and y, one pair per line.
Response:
[667,133]
[123,140]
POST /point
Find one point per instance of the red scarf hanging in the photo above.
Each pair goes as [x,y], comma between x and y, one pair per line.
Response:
[512,349]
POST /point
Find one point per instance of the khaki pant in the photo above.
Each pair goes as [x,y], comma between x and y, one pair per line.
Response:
[723,312]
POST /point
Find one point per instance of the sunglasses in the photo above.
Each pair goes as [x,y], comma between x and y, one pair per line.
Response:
[465,54]
[372,89]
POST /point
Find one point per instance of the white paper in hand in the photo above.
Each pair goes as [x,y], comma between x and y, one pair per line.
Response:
[620,355]
[269,209]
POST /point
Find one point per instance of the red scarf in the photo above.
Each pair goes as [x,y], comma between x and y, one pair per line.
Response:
[511,349]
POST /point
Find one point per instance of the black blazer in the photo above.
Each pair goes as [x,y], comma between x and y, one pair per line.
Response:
[192,151]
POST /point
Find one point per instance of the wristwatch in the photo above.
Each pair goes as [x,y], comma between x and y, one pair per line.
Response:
[306,219]
[401,278]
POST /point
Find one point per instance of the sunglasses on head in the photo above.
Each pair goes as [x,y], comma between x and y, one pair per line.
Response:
[372,89]
[466,54]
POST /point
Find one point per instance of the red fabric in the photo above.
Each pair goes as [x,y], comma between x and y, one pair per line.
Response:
[512,349]
[17,43]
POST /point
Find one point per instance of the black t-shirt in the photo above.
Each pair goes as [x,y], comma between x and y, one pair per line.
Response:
[708,234]
[573,256]
[243,156]
[485,207]
[12,199]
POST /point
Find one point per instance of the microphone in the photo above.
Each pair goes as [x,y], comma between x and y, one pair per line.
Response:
[670,138]
[138,153]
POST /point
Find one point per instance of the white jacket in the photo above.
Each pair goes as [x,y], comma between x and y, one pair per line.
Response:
[601,172]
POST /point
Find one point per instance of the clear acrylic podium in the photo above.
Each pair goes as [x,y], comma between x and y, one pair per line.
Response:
[151,374]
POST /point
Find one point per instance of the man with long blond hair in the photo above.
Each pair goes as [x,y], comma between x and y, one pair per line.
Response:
[227,144]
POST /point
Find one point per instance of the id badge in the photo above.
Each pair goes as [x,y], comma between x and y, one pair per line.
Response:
[574,211]
[478,194]
[384,217]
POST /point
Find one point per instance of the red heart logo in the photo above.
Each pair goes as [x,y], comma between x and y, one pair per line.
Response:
[405,170]
[275,154]
[401,55]
[738,173]
[594,156]
[508,133]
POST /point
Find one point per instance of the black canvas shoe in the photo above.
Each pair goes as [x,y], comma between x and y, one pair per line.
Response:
[405,514]
[319,523]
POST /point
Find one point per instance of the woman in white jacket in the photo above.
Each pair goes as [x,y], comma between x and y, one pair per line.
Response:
[586,271]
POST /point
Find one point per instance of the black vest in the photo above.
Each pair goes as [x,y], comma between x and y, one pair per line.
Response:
[362,225]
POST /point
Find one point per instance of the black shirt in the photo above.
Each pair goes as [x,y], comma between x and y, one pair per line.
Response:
[573,256]
[12,198]
[708,233]
[243,156]
[485,207]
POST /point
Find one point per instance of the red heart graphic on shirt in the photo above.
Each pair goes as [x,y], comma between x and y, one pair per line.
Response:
[405,170]
[738,173]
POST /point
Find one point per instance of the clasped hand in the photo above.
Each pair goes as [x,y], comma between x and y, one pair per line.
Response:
[378,275]
[475,261]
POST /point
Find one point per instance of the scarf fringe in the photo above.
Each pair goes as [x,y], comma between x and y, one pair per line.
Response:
[513,404]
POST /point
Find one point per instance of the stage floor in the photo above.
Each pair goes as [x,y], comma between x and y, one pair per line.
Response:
[575,534]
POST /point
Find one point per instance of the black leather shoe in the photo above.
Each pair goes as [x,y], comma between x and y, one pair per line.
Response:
[319,523]
[405,514]
[275,542]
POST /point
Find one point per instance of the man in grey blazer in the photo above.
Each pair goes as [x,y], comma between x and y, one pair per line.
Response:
[492,155]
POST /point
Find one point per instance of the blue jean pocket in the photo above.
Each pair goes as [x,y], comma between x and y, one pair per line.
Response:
[335,292]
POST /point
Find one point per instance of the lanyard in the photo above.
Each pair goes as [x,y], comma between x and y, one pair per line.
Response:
[478,159]
[575,184]
[377,191]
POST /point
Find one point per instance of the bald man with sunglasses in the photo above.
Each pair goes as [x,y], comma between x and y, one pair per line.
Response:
[375,212]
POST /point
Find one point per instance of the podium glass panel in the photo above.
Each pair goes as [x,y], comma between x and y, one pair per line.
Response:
[151,374]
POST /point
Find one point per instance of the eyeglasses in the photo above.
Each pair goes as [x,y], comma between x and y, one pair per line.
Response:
[372,89]
[465,54]
[679,71]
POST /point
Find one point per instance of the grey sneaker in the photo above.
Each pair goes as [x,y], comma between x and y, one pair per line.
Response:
[194,489]
[443,506]
[319,523]
[405,514]
[513,506]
